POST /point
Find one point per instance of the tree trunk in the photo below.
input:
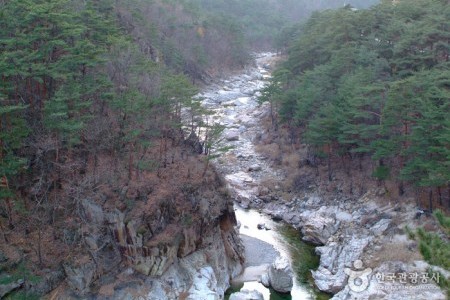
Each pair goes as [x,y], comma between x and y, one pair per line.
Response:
[440,195]
[430,199]
[329,167]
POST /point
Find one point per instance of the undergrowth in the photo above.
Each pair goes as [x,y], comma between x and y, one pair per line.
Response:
[435,247]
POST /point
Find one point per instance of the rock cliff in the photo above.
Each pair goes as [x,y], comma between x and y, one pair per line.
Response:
[182,246]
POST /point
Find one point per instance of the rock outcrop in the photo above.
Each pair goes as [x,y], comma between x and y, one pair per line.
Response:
[163,249]
[335,257]
[318,228]
[279,276]
[246,295]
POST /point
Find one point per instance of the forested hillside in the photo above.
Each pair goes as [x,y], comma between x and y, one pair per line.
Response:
[373,84]
[90,117]
[262,21]
[81,80]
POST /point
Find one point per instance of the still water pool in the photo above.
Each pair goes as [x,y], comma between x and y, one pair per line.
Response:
[287,241]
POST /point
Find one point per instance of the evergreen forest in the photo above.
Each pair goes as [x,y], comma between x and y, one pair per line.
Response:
[373,84]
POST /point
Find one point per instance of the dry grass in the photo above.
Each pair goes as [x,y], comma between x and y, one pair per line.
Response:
[271,151]
[290,160]
[394,252]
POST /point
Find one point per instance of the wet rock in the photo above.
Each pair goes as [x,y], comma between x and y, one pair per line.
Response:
[318,229]
[265,280]
[244,203]
[247,295]
[5,289]
[261,226]
[281,276]
[258,252]
[254,168]
[277,216]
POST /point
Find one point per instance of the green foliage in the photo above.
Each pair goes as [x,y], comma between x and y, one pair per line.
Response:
[13,131]
[381,173]
[22,295]
[21,271]
[434,248]
[443,220]
[373,82]
[411,233]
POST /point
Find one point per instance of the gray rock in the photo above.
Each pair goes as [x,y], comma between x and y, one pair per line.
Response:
[380,227]
[254,168]
[317,229]
[91,242]
[204,285]
[249,91]
[265,280]
[277,216]
[79,278]
[258,252]
[281,275]
[232,135]
[92,212]
[247,295]
[261,226]
[334,258]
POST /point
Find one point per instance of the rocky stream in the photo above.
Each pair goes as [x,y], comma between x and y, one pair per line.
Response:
[270,245]
[350,236]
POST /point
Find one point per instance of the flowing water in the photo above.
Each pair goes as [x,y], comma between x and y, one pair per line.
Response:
[234,104]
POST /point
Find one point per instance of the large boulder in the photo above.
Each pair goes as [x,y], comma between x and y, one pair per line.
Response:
[247,295]
[335,257]
[232,135]
[380,227]
[318,229]
[279,276]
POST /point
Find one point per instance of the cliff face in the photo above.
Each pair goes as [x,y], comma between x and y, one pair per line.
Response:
[162,235]
[184,246]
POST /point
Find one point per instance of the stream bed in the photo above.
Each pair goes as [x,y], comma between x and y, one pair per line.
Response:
[234,103]
[276,237]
